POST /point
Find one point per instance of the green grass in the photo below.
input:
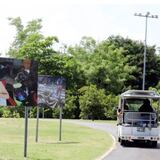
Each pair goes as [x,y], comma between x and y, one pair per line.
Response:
[78,143]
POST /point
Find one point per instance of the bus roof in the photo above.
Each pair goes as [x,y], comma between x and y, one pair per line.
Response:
[140,94]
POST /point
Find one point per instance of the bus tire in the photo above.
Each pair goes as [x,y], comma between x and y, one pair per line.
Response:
[123,142]
[154,144]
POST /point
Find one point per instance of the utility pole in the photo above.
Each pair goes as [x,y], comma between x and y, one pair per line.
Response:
[146,16]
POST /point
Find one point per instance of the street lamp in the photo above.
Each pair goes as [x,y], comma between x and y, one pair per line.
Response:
[147,15]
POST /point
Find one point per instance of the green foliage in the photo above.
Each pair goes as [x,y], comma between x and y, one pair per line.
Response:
[111,106]
[55,113]
[134,51]
[70,110]
[92,102]
[70,107]
[7,112]
[95,72]
[48,112]
[110,68]
[1,111]
[15,115]
[156,104]
[33,112]
[29,42]
[102,64]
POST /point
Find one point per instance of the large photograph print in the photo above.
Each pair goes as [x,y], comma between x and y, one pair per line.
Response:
[18,82]
[51,91]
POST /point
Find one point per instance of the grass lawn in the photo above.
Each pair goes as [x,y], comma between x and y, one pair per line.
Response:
[100,121]
[78,143]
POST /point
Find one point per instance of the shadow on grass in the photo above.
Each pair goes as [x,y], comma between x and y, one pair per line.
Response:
[61,142]
[39,158]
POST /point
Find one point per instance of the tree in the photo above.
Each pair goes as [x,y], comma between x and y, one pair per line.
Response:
[29,42]
[102,64]
[111,106]
[92,102]
[109,68]
[134,51]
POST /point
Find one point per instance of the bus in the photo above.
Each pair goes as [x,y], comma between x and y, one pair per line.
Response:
[137,117]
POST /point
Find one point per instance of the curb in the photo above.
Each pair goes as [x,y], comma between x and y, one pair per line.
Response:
[110,150]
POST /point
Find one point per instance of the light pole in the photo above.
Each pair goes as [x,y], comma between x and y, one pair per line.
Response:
[147,15]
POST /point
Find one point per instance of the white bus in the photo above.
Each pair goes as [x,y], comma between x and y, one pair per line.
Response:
[134,123]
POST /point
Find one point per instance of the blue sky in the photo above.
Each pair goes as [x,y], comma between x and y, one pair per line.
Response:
[70,20]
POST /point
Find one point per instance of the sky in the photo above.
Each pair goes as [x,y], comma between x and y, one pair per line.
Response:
[70,20]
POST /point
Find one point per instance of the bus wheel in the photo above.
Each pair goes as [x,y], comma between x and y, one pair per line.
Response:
[123,142]
[154,144]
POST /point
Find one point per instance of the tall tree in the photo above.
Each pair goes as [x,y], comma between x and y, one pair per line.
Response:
[29,42]
[134,51]
[108,68]
[102,64]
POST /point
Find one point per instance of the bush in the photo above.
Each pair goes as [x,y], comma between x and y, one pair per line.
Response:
[92,102]
[111,105]
[55,113]
[71,109]
[6,113]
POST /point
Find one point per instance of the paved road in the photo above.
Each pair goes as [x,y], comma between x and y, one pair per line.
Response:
[131,152]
